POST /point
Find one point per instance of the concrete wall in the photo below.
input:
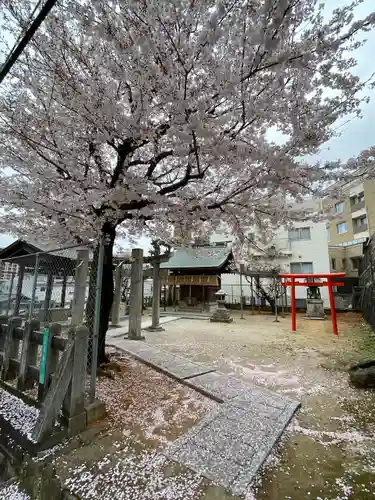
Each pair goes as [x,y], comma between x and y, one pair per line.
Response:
[369,190]
[314,250]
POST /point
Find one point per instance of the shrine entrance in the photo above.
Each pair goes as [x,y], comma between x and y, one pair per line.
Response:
[312,282]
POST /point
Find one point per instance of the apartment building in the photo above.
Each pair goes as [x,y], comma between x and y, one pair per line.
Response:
[352,221]
[301,249]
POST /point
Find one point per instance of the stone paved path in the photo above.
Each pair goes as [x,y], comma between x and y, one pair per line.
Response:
[173,365]
[230,445]
[146,322]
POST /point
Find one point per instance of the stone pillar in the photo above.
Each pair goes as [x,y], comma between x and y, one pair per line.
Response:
[21,272]
[136,292]
[79,297]
[115,320]
[156,286]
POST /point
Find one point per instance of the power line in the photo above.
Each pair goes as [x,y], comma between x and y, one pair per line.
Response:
[19,48]
[25,28]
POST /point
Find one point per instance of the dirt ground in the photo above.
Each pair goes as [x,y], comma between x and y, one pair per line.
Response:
[328,451]
[121,459]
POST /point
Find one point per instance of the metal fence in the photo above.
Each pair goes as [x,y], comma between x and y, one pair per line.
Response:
[250,297]
[56,286]
[367,283]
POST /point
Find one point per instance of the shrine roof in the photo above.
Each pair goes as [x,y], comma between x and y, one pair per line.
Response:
[24,253]
[198,257]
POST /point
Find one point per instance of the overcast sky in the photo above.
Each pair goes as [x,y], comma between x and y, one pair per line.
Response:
[356,135]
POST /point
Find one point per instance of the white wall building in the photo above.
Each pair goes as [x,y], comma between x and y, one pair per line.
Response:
[7,270]
[304,249]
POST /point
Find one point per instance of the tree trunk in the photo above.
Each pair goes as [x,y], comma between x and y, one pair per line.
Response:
[106,293]
[261,292]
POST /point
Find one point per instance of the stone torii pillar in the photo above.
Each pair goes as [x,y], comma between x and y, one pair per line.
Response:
[137,276]
[156,288]
[156,260]
[136,285]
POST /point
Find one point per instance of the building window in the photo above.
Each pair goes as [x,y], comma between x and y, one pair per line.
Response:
[301,267]
[299,233]
[333,264]
[358,198]
[339,207]
[42,288]
[342,228]
[355,263]
[360,221]
[344,264]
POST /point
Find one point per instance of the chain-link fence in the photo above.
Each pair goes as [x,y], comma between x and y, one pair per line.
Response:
[253,294]
[56,286]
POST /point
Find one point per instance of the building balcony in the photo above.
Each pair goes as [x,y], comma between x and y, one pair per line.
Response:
[360,229]
[354,207]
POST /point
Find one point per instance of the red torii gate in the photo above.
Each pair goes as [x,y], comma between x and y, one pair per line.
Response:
[306,277]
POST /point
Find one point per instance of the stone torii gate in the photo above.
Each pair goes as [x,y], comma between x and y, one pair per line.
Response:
[137,275]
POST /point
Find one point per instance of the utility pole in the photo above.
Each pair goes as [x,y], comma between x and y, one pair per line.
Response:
[30,32]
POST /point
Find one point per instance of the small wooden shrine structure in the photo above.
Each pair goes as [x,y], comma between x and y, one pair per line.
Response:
[194,275]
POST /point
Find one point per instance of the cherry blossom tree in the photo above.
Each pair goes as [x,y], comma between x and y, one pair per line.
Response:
[124,116]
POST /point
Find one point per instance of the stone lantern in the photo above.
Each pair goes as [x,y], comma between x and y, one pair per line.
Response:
[221,314]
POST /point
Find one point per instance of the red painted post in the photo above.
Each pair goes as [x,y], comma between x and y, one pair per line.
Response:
[293,300]
[332,306]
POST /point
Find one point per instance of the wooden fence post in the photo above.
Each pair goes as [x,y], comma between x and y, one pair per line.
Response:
[52,361]
[3,326]
[28,353]
[11,347]
[74,403]
[55,395]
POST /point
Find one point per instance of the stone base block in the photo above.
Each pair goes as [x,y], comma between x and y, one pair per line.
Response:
[77,424]
[136,337]
[315,309]
[155,329]
[221,315]
[95,411]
